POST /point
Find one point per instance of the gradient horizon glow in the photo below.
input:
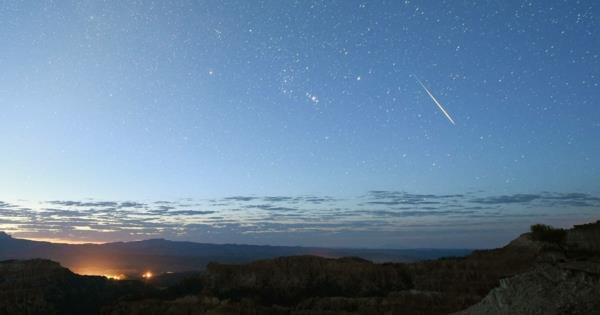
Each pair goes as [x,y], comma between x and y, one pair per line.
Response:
[298,122]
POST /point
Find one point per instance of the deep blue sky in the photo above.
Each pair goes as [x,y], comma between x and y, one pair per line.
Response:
[148,101]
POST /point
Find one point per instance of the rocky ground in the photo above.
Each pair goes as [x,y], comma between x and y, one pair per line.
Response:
[548,289]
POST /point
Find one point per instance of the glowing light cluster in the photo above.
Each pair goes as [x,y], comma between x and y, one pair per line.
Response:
[115,277]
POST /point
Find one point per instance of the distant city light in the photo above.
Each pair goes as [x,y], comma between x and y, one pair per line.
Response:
[147,275]
[115,277]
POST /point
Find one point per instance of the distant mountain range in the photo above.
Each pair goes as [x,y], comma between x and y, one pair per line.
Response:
[161,255]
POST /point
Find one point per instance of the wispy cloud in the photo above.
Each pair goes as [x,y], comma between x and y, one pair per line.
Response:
[545,198]
[517,198]
[240,198]
[72,203]
[377,212]
[270,207]
[5,205]
[191,212]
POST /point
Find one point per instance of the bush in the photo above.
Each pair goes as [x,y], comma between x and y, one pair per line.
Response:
[547,233]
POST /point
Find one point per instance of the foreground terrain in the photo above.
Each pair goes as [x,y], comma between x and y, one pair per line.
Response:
[546,271]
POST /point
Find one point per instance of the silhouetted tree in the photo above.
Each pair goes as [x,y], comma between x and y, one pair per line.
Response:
[547,233]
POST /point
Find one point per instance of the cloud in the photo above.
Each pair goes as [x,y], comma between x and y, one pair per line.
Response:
[240,198]
[394,198]
[62,213]
[545,199]
[299,199]
[507,199]
[268,207]
[383,194]
[403,202]
[278,199]
[570,196]
[570,199]
[5,205]
[131,204]
[94,204]
[420,213]
[83,203]
[318,200]
[373,212]
[283,199]
[190,212]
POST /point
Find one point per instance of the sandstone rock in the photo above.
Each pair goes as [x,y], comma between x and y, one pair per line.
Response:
[584,237]
[547,290]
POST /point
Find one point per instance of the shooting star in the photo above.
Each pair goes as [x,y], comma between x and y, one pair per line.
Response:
[436,101]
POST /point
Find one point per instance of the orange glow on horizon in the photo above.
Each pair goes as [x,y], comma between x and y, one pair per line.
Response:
[115,277]
[60,240]
[147,275]
[109,274]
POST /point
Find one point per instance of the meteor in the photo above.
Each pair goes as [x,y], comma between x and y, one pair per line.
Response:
[436,101]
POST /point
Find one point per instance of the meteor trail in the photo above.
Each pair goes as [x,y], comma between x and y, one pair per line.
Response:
[436,101]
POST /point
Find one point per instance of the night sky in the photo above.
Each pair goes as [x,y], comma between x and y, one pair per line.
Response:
[298,122]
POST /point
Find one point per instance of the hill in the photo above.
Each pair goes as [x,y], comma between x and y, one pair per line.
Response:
[44,287]
[161,255]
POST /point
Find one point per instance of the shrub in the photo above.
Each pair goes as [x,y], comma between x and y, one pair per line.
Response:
[547,233]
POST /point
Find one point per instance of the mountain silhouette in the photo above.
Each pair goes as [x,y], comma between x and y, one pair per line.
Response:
[162,255]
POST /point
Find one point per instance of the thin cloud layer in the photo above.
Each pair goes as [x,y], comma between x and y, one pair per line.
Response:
[507,199]
[260,218]
[546,198]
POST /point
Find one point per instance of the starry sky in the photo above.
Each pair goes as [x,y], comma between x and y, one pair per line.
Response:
[298,122]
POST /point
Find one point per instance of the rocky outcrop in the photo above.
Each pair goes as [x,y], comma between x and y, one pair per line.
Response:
[584,237]
[546,290]
[565,280]
[288,280]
